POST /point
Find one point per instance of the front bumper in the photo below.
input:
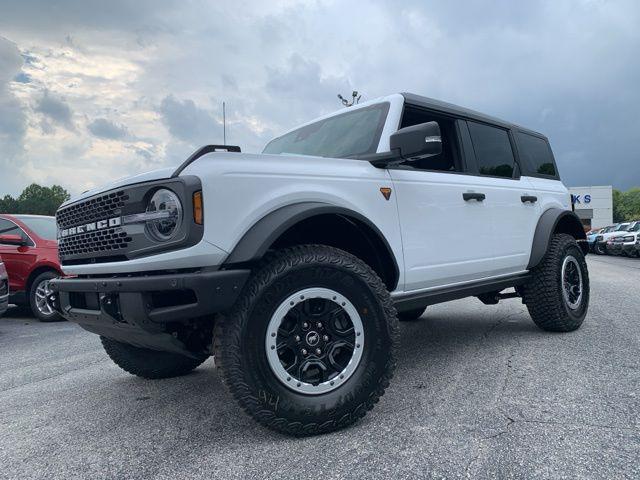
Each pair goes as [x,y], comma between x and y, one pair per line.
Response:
[143,310]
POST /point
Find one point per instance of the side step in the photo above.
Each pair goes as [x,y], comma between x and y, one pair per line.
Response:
[409,301]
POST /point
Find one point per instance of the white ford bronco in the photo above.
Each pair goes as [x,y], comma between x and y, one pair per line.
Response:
[292,267]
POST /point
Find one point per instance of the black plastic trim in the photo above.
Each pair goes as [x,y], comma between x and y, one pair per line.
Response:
[546,227]
[215,291]
[257,240]
[411,301]
[201,152]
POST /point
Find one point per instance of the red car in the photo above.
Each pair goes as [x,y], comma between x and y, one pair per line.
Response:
[29,250]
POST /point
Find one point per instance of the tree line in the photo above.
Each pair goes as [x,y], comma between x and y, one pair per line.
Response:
[35,200]
[626,205]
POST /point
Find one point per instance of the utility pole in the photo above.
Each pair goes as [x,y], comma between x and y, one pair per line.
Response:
[224,124]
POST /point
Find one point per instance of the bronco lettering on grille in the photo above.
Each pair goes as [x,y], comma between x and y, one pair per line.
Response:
[90,227]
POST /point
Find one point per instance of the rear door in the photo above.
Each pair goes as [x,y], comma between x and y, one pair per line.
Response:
[511,199]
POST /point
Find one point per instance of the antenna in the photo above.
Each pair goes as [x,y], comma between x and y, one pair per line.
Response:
[354,101]
[224,124]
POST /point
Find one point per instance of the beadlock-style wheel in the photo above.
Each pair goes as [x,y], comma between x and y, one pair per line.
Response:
[571,282]
[314,341]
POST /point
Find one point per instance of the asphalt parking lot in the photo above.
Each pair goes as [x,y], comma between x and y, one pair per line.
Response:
[480,393]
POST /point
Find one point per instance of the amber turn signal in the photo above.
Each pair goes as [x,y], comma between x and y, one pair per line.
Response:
[197,207]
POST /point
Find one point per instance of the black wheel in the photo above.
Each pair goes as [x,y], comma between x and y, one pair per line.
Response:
[310,345]
[146,363]
[411,315]
[600,249]
[557,296]
[38,302]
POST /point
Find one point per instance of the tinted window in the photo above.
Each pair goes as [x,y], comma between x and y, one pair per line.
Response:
[44,227]
[10,228]
[493,150]
[356,132]
[536,154]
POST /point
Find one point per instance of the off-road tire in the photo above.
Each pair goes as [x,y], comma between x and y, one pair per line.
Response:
[411,315]
[543,294]
[150,364]
[43,317]
[239,343]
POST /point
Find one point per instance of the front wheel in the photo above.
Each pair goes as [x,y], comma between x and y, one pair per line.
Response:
[38,298]
[599,248]
[310,345]
[557,296]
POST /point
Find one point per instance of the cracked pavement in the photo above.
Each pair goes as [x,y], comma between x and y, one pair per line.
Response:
[480,392]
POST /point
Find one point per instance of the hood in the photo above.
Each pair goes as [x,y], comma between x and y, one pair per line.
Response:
[143,177]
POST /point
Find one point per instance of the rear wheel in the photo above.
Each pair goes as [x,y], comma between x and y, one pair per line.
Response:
[411,315]
[310,345]
[557,296]
[38,301]
[150,364]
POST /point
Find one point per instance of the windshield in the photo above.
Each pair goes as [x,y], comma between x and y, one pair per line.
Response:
[622,227]
[44,227]
[635,228]
[355,132]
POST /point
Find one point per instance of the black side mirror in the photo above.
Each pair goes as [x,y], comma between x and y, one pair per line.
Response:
[417,141]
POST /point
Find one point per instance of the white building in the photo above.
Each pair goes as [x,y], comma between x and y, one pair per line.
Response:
[594,205]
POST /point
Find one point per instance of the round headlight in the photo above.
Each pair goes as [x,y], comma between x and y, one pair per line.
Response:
[166,210]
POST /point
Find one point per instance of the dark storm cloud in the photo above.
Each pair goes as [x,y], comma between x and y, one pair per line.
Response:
[56,110]
[103,128]
[567,69]
[187,122]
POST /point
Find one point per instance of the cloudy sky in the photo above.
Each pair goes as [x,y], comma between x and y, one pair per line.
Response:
[95,90]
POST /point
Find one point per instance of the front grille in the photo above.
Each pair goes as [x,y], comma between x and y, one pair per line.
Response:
[98,242]
[98,208]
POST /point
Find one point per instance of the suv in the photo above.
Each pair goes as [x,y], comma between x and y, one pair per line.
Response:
[603,238]
[29,250]
[292,267]
[629,240]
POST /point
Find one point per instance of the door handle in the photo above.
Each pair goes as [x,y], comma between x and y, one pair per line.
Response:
[528,198]
[473,196]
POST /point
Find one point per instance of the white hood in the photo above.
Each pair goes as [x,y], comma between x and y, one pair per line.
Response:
[143,177]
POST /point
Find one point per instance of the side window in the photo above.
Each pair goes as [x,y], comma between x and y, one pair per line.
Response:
[449,159]
[536,154]
[10,228]
[494,154]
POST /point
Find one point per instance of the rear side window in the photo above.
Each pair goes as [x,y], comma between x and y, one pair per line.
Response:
[536,155]
[494,154]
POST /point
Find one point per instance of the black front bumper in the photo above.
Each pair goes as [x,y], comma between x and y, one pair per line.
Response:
[143,310]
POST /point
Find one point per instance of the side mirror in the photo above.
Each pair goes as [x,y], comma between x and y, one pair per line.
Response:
[10,239]
[417,141]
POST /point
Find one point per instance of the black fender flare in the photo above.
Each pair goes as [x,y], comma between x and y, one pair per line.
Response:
[257,240]
[548,224]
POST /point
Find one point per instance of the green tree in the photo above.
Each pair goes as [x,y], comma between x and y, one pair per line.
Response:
[631,204]
[35,199]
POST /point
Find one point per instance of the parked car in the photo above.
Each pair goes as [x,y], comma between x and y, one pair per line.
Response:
[4,289]
[29,250]
[295,265]
[630,240]
[592,235]
[600,246]
[614,245]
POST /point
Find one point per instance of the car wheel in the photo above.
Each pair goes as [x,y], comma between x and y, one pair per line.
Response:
[38,301]
[310,345]
[149,364]
[557,296]
[599,249]
[411,315]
